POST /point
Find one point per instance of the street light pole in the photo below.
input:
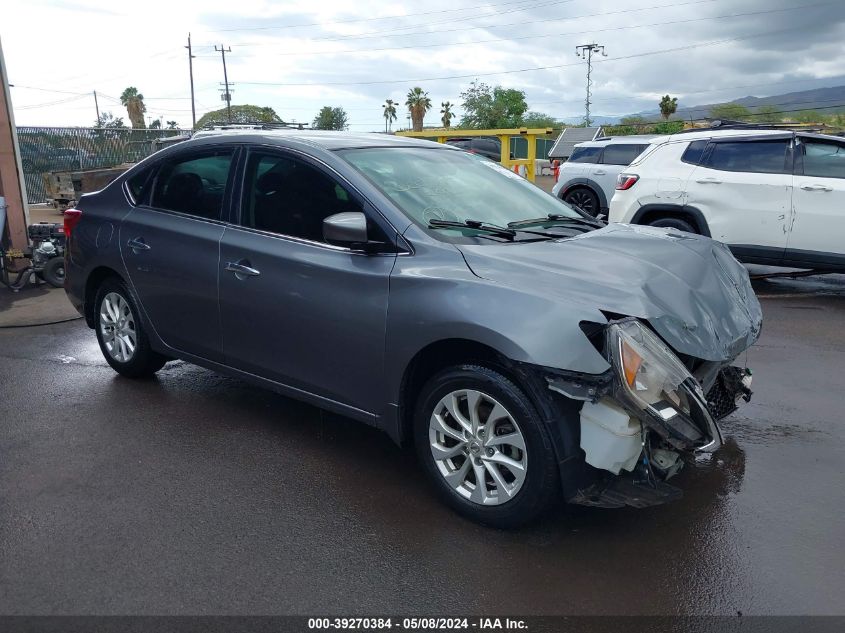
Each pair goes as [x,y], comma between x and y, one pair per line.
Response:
[585,51]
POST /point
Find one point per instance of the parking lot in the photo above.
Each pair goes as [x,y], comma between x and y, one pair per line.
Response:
[197,494]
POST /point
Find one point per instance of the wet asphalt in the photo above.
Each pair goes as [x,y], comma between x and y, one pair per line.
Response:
[194,493]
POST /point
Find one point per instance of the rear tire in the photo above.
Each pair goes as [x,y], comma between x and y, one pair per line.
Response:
[510,450]
[585,199]
[120,333]
[674,223]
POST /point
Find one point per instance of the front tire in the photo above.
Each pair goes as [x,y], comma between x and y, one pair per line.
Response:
[484,447]
[121,335]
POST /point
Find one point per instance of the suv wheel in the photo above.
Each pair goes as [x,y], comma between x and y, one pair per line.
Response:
[583,198]
[484,447]
[674,223]
[120,334]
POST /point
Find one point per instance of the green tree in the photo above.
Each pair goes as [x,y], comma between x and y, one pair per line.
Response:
[807,116]
[490,108]
[330,118]
[635,120]
[418,103]
[389,114]
[108,120]
[172,125]
[133,101]
[730,112]
[539,119]
[240,114]
[156,124]
[668,106]
[668,127]
[446,114]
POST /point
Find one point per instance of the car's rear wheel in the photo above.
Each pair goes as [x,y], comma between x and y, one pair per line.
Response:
[583,198]
[120,333]
[674,223]
[484,447]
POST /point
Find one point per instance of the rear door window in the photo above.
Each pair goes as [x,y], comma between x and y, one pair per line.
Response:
[762,157]
[621,153]
[585,155]
[193,184]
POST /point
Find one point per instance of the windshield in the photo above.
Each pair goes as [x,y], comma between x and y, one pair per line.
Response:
[434,184]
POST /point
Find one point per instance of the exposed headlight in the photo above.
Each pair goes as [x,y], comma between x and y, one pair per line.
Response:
[651,375]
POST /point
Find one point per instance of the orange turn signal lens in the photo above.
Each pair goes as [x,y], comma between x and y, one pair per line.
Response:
[631,362]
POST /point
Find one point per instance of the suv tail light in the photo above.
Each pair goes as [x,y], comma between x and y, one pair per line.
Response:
[72,217]
[626,181]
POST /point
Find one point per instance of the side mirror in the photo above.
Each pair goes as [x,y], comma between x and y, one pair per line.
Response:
[345,229]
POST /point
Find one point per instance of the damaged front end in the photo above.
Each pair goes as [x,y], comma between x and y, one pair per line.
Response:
[643,415]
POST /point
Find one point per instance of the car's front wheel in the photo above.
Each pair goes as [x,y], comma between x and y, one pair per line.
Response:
[484,446]
[121,335]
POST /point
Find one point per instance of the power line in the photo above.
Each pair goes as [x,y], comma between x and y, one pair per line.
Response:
[523,70]
[528,4]
[536,37]
[393,33]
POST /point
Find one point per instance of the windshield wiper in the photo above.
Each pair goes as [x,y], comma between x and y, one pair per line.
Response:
[558,219]
[474,224]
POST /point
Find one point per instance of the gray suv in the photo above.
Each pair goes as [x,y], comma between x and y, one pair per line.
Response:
[527,351]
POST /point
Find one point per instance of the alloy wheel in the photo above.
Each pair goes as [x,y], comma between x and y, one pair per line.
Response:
[117,326]
[582,199]
[478,447]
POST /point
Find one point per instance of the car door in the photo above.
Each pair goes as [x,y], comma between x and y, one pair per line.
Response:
[818,228]
[295,309]
[614,159]
[170,247]
[743,187]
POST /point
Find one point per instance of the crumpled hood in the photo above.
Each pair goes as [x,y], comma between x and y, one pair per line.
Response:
[690,288]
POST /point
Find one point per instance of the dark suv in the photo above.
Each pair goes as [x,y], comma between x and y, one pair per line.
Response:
[431,294]
[489,147]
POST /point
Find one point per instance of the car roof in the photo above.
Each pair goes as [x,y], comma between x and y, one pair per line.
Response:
[633,139]
[329,140]
[707,133]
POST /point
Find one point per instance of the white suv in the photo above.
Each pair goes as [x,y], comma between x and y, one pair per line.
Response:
[775,197]
[588,178]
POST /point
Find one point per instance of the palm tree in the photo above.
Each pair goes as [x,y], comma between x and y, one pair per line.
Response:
[389,114]
[418,103]
[135,108]
[446,111]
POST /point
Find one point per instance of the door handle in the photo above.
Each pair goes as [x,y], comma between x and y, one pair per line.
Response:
[138,244]
[709,181]
[816,188]
[599,173]
[241,270]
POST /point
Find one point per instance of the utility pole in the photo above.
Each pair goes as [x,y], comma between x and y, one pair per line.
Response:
[191,74]
[226,96]
[97,108]
[585,51]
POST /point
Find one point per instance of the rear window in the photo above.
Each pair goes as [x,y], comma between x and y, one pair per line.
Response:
[824,160]
[694,151]
[585,155]
[761,157]
[193,184]
[621,153]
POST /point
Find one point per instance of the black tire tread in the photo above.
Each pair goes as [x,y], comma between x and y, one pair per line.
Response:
[542,485]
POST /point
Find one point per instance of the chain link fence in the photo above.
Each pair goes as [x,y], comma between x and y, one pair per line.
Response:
[48,149]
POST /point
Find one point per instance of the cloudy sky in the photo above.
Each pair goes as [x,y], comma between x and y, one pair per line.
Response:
[298,55]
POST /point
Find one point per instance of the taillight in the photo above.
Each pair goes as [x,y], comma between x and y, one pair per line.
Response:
[72,217]
[626,181]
